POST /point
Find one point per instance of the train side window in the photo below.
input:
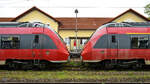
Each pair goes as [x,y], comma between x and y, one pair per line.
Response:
[10,42]
[134,42]
[139,42]
[113,39]
[26,41]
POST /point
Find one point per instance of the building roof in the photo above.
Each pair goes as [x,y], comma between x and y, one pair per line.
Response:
[2,19]
[30,10]
[70,23]
[82,23]
[130,10]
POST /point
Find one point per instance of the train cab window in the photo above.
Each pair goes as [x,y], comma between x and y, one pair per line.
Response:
[139,42]
[101,42]
[48,43]
[10,42]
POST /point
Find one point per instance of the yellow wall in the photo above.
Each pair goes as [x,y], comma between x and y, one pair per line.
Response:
[129,17]
[36,16]
[71,33]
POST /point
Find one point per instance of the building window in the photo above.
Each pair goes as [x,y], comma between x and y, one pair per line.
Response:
[83,42]
[10,42]
[139,42]
[67,41]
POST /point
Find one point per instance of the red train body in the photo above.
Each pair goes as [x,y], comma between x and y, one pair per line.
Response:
[119,44]
[30,42]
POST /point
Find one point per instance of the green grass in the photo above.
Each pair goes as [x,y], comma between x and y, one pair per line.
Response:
[73,74]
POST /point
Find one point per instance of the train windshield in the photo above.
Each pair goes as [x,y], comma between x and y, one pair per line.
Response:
[103,26]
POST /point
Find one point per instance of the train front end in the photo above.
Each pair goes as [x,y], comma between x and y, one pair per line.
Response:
[90,52]
[60,53]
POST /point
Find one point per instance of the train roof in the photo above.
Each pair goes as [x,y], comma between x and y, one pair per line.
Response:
[25,24]
[21,24]
[128,24]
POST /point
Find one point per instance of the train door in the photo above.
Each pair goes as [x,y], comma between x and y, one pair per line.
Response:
[112,46]
[36,48]
[124,46]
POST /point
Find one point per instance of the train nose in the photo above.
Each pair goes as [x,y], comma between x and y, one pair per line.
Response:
[84,53]
[66,51]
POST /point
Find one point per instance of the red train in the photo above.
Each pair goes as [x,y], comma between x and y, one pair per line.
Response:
[119,44]
[29,44]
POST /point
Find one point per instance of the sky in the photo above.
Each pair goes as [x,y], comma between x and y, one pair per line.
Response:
[65,8]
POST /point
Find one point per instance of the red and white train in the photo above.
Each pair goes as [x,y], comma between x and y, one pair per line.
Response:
[29,44]
[124,44]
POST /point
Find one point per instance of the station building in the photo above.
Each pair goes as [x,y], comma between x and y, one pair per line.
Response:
[66,26]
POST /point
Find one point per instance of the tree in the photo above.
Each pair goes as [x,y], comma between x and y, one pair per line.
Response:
[147,10]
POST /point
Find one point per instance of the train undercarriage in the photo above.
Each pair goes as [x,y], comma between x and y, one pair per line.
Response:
[115,63]
[15,64]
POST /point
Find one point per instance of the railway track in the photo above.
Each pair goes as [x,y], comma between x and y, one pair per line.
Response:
[76,74]
[79,68]
[68,68]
